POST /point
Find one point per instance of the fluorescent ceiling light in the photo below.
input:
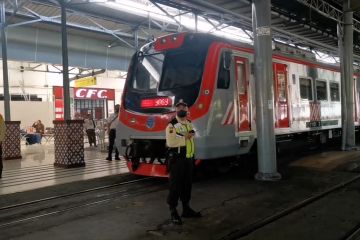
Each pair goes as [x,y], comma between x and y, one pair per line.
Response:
[146,9]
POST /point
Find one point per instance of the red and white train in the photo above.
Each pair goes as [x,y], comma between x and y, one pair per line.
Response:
[215,78]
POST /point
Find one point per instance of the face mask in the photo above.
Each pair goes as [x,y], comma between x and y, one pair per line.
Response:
[181,113]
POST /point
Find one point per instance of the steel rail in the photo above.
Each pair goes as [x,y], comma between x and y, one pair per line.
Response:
[78,206]
[242,232]
[353,234]
[72,194]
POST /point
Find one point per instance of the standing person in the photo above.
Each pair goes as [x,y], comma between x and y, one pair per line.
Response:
[180,140]
[90,127]
[112,122]
[2,138]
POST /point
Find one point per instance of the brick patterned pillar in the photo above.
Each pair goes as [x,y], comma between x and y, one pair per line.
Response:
[69,143]
[12,143]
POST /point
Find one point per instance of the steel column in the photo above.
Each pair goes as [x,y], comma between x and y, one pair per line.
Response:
[136,39]
[264,92]
[4,63]
[349,129]
[196,22]
[65,61]
[343,88]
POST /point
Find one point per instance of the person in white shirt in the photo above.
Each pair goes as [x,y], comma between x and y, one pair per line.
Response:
[90,126]
[112,122]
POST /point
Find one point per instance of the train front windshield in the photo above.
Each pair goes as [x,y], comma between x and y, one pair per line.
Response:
[175,74]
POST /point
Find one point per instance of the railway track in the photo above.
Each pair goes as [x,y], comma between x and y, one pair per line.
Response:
[45,207]
[353,234]
[239,233]
[73,194]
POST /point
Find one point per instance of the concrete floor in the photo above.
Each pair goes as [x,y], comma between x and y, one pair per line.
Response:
[36,169]
[228,202]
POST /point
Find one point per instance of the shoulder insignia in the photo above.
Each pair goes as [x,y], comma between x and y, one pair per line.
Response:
[171,129]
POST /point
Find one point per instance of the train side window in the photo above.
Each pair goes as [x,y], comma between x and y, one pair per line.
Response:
[334,92]
[281,86]
[321,90]
[224,75]
[306,89]
[240,77]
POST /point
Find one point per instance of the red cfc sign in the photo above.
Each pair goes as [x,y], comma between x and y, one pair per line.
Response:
[94,93]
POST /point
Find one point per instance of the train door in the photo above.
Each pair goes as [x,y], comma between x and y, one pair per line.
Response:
[281,95]
[242,85]
[356,99]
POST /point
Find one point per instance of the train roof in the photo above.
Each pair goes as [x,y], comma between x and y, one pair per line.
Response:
[279,49]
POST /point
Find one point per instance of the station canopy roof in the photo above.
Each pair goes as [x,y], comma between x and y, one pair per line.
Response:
[307,24]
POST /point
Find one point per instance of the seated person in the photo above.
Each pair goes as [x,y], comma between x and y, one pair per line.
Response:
[40,129]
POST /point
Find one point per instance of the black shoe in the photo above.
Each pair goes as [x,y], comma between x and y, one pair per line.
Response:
[109,159]
[117,158]
[175,218]
[190,213]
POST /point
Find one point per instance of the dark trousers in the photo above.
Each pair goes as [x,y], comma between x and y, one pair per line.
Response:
[1,160]
[112,137]
[91,136]
[181,171]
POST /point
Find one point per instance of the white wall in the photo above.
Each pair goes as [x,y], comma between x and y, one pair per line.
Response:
[114,80]
[29,112]
[41,84]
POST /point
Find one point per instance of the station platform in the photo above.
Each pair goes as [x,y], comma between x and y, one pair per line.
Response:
[230,203]
[36,169]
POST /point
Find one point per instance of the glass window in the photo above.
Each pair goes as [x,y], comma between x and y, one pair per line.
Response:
[176,73]
[148,72]
[240,78]
[306,89]
[334,92]
[281,86]
[182,69]
[321,90]
[224,75]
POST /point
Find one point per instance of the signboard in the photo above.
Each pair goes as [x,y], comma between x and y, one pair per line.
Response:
[59,102]
[86,93]
[78,93]
[86,81]
[263,31]
[59,109]
[94,93]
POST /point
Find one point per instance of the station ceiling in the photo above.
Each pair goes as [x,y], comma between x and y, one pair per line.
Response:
[300,22]
[304,23]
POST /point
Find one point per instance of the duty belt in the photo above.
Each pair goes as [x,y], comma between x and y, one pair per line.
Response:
[178,150]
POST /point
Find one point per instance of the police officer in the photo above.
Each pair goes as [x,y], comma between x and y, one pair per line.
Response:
[180,140]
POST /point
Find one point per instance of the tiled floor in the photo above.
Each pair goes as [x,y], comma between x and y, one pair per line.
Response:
[36,170]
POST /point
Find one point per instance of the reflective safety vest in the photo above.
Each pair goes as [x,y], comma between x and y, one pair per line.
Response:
[180,130]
